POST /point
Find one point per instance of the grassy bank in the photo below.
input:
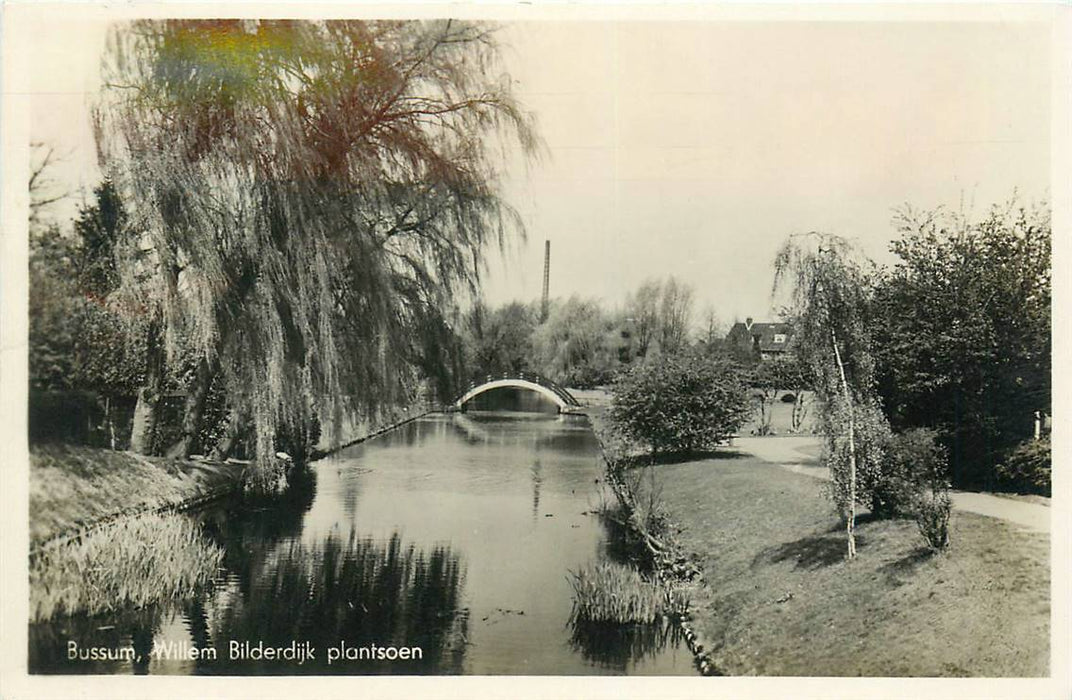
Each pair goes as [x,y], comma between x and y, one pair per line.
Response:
[778,598]
[97,541]
[74,487]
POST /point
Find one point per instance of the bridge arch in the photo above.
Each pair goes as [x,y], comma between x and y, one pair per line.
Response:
[559,396]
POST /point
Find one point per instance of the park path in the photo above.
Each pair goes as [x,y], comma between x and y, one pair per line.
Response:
[800,455]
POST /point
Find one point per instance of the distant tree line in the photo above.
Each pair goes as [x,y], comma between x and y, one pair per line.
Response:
[582,343]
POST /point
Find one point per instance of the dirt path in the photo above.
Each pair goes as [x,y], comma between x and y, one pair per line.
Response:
[800,455]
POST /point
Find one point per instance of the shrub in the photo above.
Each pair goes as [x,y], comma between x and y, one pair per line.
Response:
[586,375]
[1027,469]
[679,403]
[914,461]
[917,484]
[932,508]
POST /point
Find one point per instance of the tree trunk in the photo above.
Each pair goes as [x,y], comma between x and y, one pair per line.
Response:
[800,411]
[850,520]
[145,411]
[193,409]
[108,421]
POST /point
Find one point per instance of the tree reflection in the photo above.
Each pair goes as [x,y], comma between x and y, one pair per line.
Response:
[358,591]
[126,629]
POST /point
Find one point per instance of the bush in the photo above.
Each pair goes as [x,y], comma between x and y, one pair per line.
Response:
[916,483]
[914,462]
[1027,469]
[586,375]
[932,510]
[679,403]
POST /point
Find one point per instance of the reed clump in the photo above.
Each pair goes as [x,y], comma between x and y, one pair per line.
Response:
[610,593]
[140,561]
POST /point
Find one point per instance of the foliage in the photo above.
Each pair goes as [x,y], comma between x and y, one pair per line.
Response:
[1028,468]
[310,197]
[499,340]
[932,510]
[915,461]
[83,341]
[98,228]
[613,593]
[79,338]
[679,403]
[574,346]
[137,562]
[962,331]
[659,317]
[828,306]
[53,309]
[871,440]
[712,333]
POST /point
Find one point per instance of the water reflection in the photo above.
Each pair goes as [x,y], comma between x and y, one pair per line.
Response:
[120,631]
[345,590]
[536,481]
[356,591]
[512,399]
[453,534]
[618,647]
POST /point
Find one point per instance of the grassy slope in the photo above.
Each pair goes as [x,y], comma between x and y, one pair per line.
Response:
[72,487]
[762,533]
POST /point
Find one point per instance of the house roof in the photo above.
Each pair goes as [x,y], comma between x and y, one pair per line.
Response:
[772,337]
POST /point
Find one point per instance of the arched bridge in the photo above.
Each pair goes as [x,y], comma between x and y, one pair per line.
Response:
[523,380]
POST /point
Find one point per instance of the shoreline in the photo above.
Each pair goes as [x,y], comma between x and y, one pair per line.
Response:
[173,486]
[664,567]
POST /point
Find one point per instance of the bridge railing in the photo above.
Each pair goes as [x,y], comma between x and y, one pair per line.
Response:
[533,377]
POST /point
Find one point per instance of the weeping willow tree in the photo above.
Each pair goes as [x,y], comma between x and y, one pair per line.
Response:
[827,303]
[310,199]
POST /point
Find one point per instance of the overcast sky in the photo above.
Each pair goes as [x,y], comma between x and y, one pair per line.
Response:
[695,148]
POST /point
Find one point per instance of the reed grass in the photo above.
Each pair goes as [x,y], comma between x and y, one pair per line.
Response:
[144,560]
[612,593]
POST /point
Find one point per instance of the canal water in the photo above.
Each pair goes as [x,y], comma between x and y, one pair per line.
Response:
[449,541]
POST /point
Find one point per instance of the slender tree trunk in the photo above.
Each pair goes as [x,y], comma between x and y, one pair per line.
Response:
[850,520]
[193,409]
[108,421]
[800,411]
[145,410]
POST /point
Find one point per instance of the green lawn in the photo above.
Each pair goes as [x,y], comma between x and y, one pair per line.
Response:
[765,535]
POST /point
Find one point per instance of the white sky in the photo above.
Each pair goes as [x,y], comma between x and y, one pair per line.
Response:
[695,148]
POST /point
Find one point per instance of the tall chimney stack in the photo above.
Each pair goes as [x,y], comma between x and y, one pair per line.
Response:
[546,279]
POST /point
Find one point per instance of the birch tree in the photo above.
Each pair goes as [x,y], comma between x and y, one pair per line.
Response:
[827,303]
[308,197]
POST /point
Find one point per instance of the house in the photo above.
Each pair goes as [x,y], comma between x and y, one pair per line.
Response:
[762,340]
